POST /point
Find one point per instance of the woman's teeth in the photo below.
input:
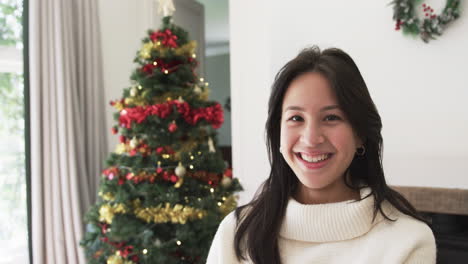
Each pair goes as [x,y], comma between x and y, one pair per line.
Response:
[314,159]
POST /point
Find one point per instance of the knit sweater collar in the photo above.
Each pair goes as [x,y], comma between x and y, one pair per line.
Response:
[329,222]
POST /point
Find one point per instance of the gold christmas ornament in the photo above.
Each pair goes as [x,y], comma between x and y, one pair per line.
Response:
[180,170]
[157,242]
[115,260]
[179,183]
[197,89]
[226,181]
[134,143]
[211,146]
[133,91]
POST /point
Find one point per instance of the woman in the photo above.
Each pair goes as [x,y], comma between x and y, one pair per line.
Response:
[326,199]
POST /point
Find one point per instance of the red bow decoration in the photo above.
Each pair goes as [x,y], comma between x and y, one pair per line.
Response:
[166,37]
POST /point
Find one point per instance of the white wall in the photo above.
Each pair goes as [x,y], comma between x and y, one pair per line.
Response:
[420,89]
[123,25]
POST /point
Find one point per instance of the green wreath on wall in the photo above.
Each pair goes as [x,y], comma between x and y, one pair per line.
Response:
[428,27]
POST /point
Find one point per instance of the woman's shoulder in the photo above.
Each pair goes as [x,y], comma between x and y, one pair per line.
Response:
[229,222]
[409,225]
[222,247]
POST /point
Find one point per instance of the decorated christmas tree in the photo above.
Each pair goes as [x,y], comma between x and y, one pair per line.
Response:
[166,187]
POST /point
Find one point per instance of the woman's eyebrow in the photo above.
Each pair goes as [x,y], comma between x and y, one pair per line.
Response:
[330,107]
[292,107]
[298,108]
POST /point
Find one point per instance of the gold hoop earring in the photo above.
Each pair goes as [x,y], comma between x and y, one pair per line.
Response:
[361,151]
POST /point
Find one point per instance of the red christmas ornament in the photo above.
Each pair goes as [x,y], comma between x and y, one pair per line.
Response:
[114,130]
[121,181]
[129,176]
[174,178]
[159,170]
[122,139]
[172,127]
[228,173]
[104,228]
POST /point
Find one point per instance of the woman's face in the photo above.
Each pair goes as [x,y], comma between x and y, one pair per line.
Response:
[317,141]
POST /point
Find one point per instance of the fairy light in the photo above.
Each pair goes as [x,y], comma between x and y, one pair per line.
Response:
[145,251]
[220,203]
[202,80]
[192,157]
[211,190]
[194,55]
[178,243]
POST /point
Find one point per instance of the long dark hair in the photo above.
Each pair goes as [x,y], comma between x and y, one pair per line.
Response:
[259,221]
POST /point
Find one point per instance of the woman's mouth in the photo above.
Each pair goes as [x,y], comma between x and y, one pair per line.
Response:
[314,161]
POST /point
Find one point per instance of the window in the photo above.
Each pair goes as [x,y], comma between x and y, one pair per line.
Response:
[13,199]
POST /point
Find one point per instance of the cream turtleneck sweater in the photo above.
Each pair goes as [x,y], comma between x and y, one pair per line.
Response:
[339,233]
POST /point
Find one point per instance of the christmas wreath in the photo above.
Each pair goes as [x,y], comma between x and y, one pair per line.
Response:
[431,25]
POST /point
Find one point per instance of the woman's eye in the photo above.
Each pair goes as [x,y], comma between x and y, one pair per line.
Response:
[296,118]
[332,118]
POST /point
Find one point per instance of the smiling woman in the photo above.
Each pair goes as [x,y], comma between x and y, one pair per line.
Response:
[317,140]
[326,199]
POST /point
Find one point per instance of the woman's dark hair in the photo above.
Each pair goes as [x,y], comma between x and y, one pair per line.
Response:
[259,221]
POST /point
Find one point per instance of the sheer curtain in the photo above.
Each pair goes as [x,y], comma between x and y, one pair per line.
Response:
[67,124]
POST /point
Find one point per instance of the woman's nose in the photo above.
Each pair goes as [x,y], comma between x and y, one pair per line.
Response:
[312,135]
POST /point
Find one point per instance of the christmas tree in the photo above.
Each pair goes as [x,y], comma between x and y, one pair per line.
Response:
[166,187]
